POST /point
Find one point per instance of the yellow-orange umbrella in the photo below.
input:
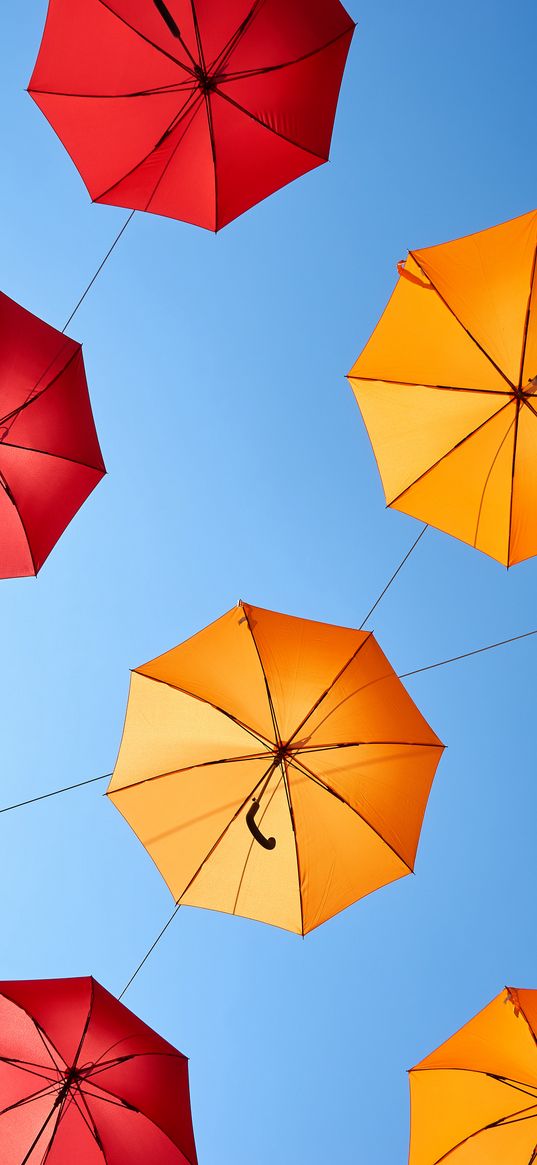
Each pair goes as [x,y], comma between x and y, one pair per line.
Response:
[274,768]
[447,388]
[474,1100]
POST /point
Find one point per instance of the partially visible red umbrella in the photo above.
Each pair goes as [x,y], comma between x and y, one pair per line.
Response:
[84,1082]
[195,109]
[50,459]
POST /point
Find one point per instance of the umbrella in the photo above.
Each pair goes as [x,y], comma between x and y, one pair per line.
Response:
[84,1082]
[193,110]
[274,768]
[447,388]
[50,459]
[474,1100]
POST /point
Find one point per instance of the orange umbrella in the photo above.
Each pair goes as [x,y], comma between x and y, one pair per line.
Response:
[446,386]
[474,1100]
[275,768]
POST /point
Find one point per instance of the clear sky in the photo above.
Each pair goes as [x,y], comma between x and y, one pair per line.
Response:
[239,468]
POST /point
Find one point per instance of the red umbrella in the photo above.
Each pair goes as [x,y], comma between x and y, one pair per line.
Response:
[50,459]
[84,1082]
[196,109]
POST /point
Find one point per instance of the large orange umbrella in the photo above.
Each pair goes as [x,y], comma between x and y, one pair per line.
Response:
[275,768]
[447,388]
[474,1100]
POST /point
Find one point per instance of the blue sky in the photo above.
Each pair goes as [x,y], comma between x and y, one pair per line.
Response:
[239,468]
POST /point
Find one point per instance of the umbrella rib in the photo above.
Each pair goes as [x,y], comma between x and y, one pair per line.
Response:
[150,42]
[262,71]
[199,46]
[369,744]
[45,1039]
[513,468]
[59,1105]
[269,128]
[187,769]
[527,320]
[266,774]
[295,837]
[463,326]
[514,424]
[193,114]
[31,397]
[184,691]
[523,1013]
[187,887]
[210,124]
[180,87]
[516,1085]
[529,405]
[367,637]
[516,1118]
[208,109]
[422,384]
[39,1070]
[448,452]
[12,498]
[128,1107]
[57,456]
[86,1023]
[234,40]
[175,122]
[322,784]
[51,1089]
[106,1065]
[89,1121]
[267,687]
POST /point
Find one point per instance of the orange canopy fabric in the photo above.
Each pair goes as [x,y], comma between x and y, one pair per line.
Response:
[304,720]
[474,1100]
[447,388]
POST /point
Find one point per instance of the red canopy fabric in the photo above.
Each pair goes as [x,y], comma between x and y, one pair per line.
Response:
[50,459]
[84,1082]
[195,109]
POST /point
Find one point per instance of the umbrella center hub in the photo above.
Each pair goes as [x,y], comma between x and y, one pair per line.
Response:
[282,753]
[205,81]
[529,389]
[70,1077]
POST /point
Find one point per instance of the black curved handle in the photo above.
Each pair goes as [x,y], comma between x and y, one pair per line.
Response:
[266,842]
[167,17]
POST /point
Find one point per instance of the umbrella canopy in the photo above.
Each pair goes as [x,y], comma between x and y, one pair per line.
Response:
[275,768]
[193,110]
[474,1100]
[84,1082]
[50,459]
[447,388]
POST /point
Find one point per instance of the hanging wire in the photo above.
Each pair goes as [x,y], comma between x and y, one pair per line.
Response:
[393,578]
[401,675]
[99,269]
[7,422]
[466,654]
[151,949]
[55,793]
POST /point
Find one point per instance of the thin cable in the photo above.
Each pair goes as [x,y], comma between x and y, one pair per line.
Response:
[394,576]
[150,951]
[467,654]
[99,269]
[56,793]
